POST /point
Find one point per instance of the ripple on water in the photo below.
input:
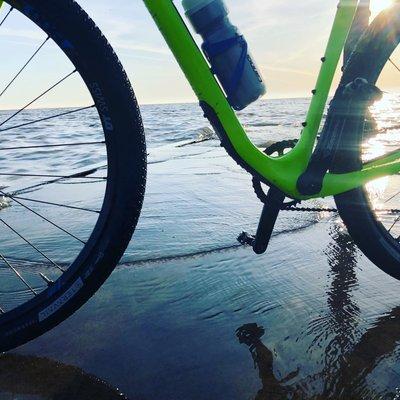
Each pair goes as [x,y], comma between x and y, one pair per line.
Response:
[164,325]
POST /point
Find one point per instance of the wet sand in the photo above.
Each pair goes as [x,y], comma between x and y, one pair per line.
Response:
[27,377]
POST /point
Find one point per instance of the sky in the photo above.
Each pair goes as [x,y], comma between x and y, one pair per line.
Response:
[286,38]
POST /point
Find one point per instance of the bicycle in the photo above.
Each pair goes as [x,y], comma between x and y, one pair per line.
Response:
[301,170]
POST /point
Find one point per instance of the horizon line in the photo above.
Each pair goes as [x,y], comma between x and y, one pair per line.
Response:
[191,102]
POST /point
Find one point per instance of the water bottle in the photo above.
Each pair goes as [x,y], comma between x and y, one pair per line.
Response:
[227,51]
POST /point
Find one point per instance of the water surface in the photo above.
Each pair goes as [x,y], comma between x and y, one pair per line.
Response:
[165,325]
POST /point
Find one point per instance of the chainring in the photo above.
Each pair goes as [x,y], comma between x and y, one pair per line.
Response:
[279,148]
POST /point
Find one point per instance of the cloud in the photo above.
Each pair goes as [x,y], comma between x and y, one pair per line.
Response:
[286,37]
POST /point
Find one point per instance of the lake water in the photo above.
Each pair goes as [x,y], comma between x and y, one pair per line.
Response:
[164,326]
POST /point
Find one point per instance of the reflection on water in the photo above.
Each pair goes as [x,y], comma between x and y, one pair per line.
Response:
[382,136]
[32,378]
[250,335]
[374,145]
[347,355]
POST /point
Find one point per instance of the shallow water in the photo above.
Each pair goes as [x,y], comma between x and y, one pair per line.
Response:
[167,329]
[164,325]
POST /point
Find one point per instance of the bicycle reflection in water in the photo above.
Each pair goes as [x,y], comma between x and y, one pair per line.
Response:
[349,356]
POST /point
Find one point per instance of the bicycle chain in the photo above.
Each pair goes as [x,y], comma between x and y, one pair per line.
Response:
[280,147]
[333,210]
[310,209]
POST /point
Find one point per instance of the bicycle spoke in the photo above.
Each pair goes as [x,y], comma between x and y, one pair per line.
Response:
[18,275]
[393,225]
[392,197]
[43,217]
[46,119]
[48,281]
[44,146]
[394,64]
[32,245]
[63,182]
[6,16]
[23,67]
[80,174]
[38,97]
[57,204]
[386,155]
[53,176]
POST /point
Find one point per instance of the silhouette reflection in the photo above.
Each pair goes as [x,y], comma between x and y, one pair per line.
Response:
[349,353]
[251,334]
[25,377]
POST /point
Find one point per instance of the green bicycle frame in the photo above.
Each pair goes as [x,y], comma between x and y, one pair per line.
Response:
[283,172]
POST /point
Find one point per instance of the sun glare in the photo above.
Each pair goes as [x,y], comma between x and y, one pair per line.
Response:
[378,5]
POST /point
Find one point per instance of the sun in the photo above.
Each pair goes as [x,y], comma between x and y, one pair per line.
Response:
[378,5]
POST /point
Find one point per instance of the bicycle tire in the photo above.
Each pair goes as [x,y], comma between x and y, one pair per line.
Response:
[94,59]
[355,208]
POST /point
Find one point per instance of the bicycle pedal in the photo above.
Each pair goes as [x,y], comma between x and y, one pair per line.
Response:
[246,239]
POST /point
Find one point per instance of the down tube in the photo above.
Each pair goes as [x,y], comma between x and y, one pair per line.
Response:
[207,89]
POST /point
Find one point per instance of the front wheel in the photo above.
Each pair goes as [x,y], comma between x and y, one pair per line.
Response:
[371,213]
[73,179]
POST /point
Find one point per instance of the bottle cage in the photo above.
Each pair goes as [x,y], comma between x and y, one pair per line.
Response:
[214,49]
